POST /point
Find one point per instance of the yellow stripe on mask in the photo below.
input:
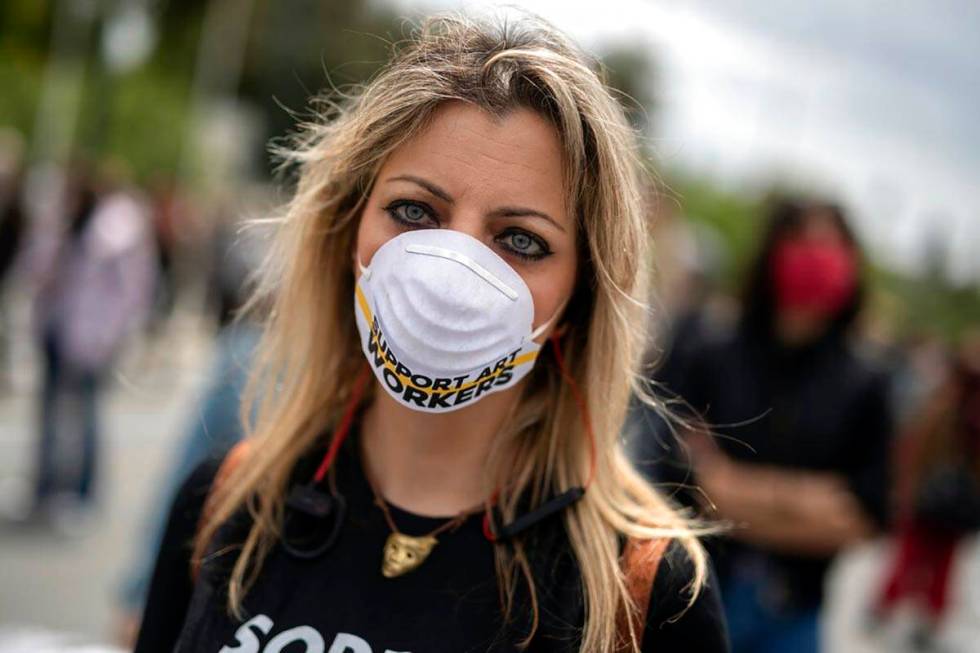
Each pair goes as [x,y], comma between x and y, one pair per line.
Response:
[407,381]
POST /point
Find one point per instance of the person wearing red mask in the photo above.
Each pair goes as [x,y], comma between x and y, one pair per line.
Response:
[813,275]
[798,462]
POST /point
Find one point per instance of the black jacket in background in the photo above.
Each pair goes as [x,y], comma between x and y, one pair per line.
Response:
[819,408]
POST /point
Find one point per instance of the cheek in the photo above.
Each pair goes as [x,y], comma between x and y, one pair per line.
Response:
[550,287]
[373,231]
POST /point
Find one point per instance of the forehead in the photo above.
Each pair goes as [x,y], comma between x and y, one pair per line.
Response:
[820,224]
[513,159]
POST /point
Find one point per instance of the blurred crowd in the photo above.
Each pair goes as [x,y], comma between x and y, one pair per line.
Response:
[781,418]
[104,262]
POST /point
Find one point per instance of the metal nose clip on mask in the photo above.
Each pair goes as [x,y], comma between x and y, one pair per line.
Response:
[444,320]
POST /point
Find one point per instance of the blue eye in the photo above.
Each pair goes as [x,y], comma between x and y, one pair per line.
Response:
[411,214]
[523,244]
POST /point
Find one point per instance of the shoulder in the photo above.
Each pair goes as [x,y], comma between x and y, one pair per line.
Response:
[235,457]
[863,365]
[172,584]
[673,621]
[194,490]
[192,495]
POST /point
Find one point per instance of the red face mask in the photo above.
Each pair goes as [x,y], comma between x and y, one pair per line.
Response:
[814,276]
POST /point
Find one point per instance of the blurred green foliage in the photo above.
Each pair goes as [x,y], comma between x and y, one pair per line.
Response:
[23,42]
[927,304]
[736,218]
[630,72]
[294,48]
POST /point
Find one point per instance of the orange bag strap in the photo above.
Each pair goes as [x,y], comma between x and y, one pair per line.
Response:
[639,562]
[235,456]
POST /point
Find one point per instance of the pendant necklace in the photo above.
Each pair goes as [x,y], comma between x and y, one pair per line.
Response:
[403,553]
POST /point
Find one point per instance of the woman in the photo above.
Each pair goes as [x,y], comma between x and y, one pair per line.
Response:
[471,226]
[801,467]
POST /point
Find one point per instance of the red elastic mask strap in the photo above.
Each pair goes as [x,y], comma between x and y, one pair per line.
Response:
[340,433]
[587,422]
[583,408]
[487,531]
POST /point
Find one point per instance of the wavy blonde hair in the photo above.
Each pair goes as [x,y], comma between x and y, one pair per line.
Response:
[310,354]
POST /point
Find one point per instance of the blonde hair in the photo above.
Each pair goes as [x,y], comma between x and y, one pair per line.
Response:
[310,353]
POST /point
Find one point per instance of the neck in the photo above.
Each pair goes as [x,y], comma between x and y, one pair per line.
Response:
[432,464]
[798,328]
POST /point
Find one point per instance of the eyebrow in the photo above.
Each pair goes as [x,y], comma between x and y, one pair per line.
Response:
[427,185]
[501,212]
[521,212]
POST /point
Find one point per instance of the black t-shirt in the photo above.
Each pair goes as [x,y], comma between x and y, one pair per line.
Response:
[820,408]
[341,603]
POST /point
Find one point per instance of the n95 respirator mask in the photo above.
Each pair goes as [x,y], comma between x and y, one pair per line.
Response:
[444,320]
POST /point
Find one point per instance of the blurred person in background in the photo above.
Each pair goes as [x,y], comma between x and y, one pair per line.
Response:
[94,289]
[215,425]
[937,495]
[800,463]
[168,217]
[12,227]
[237,250]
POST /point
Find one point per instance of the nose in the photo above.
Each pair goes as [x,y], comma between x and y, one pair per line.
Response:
[471,223]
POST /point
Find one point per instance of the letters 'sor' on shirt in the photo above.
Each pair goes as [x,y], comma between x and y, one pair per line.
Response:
[341,603]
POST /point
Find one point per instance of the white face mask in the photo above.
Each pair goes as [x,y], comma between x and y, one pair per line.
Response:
[444,320]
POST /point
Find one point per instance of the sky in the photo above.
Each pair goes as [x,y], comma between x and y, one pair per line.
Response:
[875,104]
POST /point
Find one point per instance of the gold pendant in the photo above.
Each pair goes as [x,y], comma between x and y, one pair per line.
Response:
[403,553]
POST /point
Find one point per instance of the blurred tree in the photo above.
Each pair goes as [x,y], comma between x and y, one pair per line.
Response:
[631,73]
[24,27]
[140,115]
[736,217]
[931,303]
[297,48]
